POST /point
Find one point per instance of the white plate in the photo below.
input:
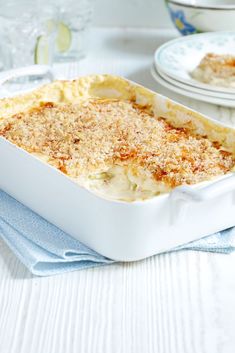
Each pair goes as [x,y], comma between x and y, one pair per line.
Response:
[220,95]
[201,97]
[180,56]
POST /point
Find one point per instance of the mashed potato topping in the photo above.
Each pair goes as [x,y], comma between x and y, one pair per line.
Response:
[115,147]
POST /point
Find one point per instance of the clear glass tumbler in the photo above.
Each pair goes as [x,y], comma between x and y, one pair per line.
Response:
[27,32]
[74,19]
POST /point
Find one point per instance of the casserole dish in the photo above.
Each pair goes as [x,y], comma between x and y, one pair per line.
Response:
[120,230]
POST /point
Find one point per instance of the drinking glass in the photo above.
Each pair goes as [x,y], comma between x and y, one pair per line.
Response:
[27,33]
[74,19]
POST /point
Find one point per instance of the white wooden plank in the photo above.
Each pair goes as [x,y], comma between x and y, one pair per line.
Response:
[179,302]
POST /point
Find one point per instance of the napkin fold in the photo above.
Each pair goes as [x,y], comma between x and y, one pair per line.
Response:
[46,250]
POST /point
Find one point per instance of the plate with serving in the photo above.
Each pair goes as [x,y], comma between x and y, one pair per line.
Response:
[220,99]
[205,61]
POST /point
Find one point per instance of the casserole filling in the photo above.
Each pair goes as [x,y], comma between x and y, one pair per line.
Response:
[116,148]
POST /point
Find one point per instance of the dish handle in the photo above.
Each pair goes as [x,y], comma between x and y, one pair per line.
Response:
[181,196]
[33,70]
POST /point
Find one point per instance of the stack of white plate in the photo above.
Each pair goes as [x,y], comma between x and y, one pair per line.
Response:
[175,60]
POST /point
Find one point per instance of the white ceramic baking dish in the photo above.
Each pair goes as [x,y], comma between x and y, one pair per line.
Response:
[121,230]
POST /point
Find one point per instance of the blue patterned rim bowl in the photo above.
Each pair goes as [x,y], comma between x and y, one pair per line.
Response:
[196,16]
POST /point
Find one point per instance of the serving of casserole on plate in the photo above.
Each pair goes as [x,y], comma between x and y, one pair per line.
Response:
[217,70]
[127,171]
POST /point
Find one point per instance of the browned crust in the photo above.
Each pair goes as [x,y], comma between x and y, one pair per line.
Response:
[96,134]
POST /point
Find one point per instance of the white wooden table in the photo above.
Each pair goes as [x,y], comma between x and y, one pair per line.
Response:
[173,303]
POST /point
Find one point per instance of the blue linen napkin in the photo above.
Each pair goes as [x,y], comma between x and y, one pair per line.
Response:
[46,250]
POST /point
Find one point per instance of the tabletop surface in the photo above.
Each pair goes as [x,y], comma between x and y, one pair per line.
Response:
[181,302]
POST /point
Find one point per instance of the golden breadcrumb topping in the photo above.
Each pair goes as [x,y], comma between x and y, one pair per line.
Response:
[92,136]
[217,61]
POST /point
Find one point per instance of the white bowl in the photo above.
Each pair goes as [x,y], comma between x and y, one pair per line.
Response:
[195,16]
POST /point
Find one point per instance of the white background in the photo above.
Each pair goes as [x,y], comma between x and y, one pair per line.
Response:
[142,13]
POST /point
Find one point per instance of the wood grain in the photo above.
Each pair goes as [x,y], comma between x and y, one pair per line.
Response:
[180,302]
[172,303]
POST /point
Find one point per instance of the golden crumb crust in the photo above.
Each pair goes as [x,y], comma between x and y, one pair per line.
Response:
[97,134]
[217,61]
